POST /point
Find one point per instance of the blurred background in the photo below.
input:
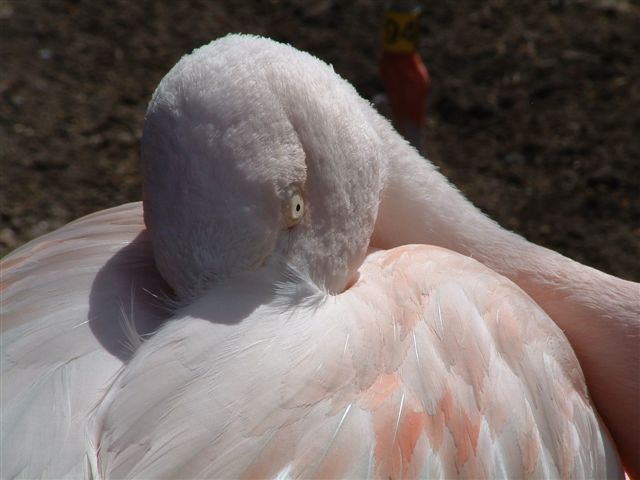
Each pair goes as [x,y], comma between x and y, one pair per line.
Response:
[534,110]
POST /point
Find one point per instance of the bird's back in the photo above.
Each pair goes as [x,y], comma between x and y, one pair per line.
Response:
[430,366]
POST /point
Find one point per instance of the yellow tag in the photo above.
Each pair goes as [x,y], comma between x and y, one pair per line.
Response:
[401,31]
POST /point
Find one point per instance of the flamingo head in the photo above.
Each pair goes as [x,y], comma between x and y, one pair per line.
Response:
[254,151]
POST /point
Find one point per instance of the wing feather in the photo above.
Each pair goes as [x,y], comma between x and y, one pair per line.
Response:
[62,335]
[429,366]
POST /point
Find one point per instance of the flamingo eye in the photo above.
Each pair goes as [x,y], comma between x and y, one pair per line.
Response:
[293,205]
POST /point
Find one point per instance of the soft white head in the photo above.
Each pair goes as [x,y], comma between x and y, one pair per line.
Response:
[253,150]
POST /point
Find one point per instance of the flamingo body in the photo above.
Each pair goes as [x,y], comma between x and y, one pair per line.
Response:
[260,319]
[430,366]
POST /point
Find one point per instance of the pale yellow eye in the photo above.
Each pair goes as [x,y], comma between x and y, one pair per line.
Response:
[293,205]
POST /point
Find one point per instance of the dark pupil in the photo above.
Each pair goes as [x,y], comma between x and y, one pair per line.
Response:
[297,207]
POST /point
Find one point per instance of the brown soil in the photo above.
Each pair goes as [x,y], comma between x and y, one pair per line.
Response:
[534,112]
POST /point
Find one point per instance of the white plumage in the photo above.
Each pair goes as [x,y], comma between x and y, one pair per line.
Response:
[292,345]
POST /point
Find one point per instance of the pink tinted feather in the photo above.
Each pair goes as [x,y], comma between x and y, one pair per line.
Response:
[277,392]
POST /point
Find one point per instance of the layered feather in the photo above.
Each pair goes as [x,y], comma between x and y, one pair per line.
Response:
[71,302]
[429,366]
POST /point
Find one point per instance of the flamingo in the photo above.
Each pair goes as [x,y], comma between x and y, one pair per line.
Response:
[403,72]
[300,293]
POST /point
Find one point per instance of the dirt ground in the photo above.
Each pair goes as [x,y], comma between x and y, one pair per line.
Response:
[534,112]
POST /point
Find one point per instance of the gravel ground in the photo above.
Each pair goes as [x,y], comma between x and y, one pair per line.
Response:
[534,111]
